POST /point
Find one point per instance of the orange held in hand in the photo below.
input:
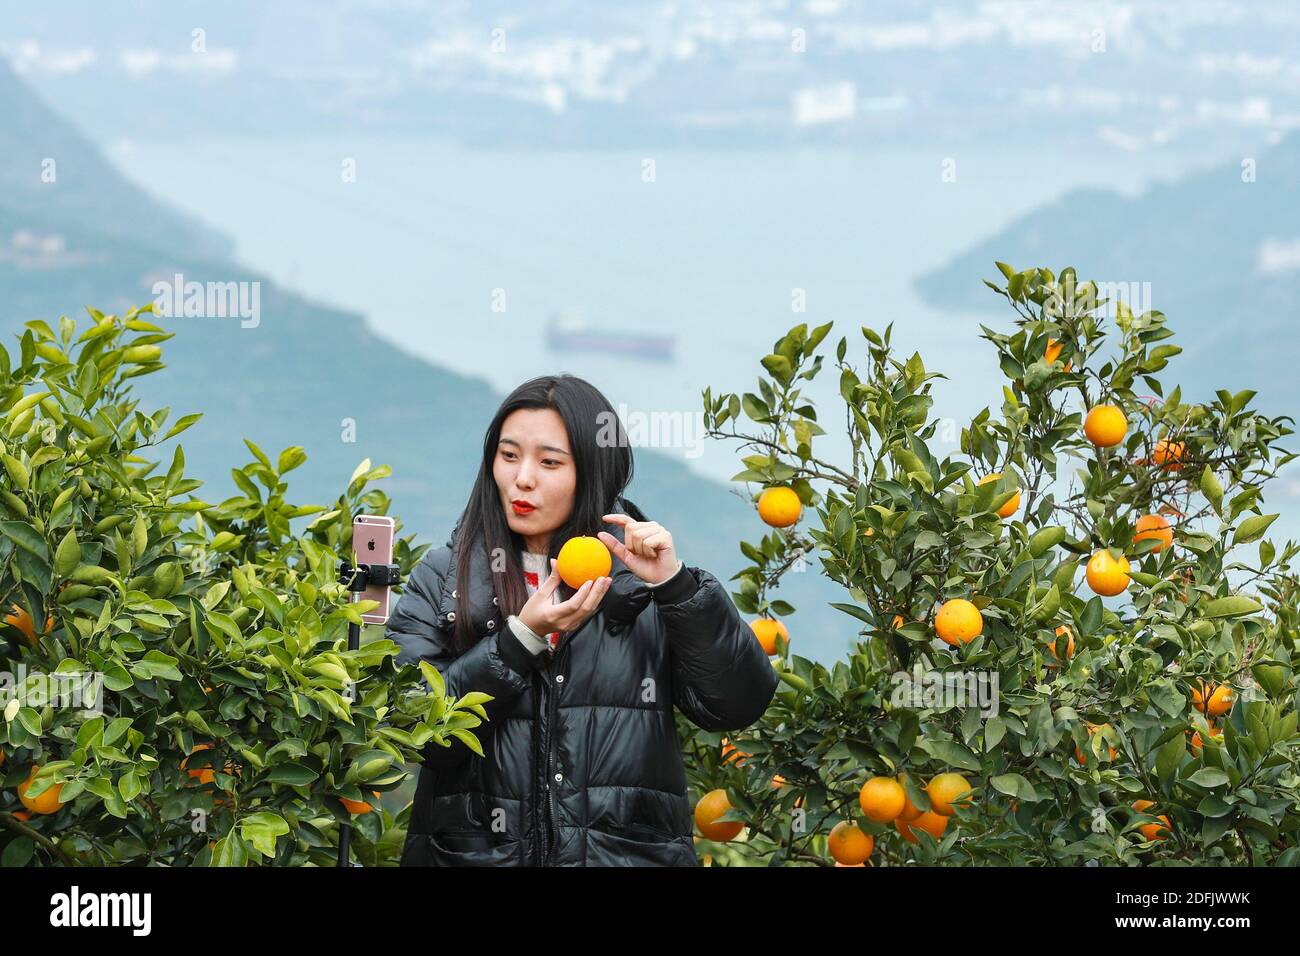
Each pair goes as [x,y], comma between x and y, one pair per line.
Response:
[779,507]
[1107,575]
[1105,425]
[711,806]
[848,845]
[45,802]
[1157,528]
[583,559]
[882,799]
[766,629]
[958,622]
[1008,509]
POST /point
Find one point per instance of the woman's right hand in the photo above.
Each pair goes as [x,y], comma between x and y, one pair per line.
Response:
[544,616]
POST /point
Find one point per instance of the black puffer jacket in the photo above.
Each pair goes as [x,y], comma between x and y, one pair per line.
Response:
[582,765]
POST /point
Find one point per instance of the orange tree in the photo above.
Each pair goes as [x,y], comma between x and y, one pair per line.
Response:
[219,717]
[1074,645]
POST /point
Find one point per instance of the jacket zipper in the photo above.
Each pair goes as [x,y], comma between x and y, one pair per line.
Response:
[554,832]
[538,691]
[551,706]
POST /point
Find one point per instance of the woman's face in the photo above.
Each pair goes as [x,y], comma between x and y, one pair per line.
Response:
[534,466]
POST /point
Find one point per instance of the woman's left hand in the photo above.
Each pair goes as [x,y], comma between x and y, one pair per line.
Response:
[646,548]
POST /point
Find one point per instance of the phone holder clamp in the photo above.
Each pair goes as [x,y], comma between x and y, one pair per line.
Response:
[364,575]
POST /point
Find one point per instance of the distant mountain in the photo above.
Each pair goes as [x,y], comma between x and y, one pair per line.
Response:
[50,171]
[303,373]
[1221,256]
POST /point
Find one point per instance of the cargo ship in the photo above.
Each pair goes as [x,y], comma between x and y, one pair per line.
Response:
[567,333]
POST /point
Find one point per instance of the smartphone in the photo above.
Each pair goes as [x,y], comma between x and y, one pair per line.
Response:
[372,540]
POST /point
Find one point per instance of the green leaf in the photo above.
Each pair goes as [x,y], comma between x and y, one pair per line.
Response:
[1014,785]
[469,740]
[1045,539]
[862,614]
[18,851]
[290,459]
[1252,528]
[779,367]
[26,537]
[994,730]
[67,555]
[1212,490]
[293,774]
[261,830]
[1235,606]
[951,753]
[1208,777]
[1170,757]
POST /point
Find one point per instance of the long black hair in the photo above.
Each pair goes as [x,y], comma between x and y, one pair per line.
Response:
[602,456]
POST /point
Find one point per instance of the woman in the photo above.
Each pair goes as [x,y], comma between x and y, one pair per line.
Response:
[582,765]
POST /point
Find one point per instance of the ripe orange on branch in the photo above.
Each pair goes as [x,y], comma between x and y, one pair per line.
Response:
[583,559]
[946,793]
[1108,575]
[958,622]
[1105,425]
[21,619]
[779,507]
[711,806]
[1069,648]
[1008,509]
[731,753]
[203,775]
[1082,756]
[46,802]
[848,845]
[1220,699]
[882,799]
[1053,352]
[358,807]
[1169,455]
[766,629]
[1151,831]
[910,810]
[929,821]
[1155,527]
[1197,742]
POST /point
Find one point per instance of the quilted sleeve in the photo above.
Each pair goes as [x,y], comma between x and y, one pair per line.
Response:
[722,680]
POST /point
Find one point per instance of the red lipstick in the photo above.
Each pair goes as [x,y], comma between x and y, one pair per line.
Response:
[522,507]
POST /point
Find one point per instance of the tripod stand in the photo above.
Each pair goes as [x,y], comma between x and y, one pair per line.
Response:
[356,579]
